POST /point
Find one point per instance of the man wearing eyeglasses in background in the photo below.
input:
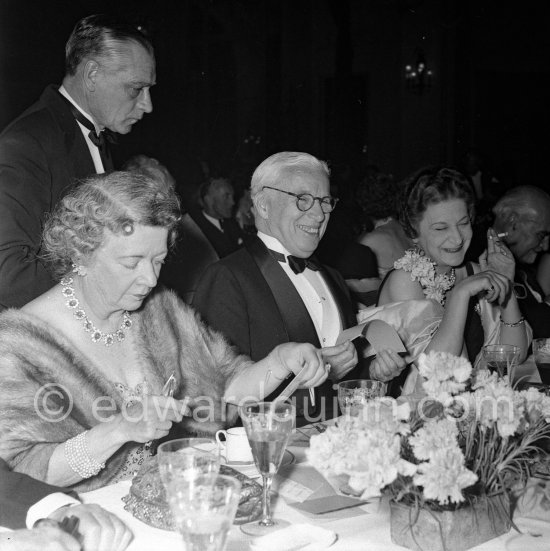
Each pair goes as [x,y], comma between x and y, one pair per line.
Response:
[523,216]
[274,291]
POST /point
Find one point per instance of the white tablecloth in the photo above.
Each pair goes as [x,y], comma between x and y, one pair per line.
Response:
[368,531]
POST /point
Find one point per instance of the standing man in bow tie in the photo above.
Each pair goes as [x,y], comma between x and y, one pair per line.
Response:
[110,68]
[274,291]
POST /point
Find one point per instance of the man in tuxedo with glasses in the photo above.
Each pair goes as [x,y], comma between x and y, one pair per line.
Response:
[274,290]
[110,67]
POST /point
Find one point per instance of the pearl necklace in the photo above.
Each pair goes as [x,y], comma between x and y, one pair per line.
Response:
[96,335]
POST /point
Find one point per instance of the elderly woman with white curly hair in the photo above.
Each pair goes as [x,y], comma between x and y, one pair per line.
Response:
[84,367]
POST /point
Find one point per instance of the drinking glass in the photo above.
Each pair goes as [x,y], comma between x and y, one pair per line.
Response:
[541,352]
[501,358]
[187,458]
[268,427]
[354,394]
[203,509]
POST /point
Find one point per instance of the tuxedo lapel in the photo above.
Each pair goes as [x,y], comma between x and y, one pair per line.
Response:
[294,313]
[297,322]
[76,146]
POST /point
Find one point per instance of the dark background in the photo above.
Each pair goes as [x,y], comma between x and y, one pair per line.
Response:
[323,76]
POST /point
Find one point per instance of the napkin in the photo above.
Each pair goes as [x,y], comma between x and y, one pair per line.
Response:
[302,537]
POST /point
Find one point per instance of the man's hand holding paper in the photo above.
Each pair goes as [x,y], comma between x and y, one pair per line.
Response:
[341,357]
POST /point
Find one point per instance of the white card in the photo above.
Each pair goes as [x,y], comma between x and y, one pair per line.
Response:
[378,333]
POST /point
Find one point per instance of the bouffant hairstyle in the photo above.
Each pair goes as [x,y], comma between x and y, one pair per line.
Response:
[377,196]
[115,202]
[431,186]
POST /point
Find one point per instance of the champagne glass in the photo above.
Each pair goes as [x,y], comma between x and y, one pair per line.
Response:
[268,427]
[354,394]
[187,458]
[501,358]
[204,509]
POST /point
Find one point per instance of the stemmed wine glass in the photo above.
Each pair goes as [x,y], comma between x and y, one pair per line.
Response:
[268,427]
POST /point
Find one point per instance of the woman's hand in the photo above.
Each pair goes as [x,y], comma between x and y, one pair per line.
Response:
[387,365]
[493,286]
[296,357]
[497,257]
[150,418]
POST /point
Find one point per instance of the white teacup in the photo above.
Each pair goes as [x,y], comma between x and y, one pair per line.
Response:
[235,447]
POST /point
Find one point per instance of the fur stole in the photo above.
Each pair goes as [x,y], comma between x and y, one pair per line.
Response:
[48,387]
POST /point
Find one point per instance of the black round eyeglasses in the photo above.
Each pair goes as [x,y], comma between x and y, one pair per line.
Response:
[305,201]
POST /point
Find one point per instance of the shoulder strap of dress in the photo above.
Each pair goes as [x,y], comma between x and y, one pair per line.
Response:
[382,285]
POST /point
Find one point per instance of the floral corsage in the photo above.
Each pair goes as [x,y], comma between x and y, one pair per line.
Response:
[422,269]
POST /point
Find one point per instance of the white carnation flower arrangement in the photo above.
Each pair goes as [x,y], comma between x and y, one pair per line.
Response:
[467,437]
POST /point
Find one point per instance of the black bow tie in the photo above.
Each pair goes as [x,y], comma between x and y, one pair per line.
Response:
[99,140]
[297,264]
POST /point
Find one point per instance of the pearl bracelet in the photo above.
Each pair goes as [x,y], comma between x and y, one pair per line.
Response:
[515,324]
[79,458]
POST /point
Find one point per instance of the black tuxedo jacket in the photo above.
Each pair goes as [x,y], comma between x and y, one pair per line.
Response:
[248,297]
[42,152]
[224,242]
[18,493]
[200,245]
[535,312]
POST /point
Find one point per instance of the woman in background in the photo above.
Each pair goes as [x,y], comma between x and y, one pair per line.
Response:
[365,263]
[378,197]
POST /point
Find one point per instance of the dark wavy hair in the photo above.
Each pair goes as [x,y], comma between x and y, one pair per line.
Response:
[431,186]
[100,35]
[115,202]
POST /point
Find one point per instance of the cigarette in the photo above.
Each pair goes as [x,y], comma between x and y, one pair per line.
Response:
[312,396]
[503,234]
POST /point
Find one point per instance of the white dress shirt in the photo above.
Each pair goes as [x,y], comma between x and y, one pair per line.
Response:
[94,150]
[315,293]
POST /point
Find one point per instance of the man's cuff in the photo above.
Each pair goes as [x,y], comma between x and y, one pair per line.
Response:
[47,505]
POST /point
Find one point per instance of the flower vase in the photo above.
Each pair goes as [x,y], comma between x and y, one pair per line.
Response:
[424,529]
